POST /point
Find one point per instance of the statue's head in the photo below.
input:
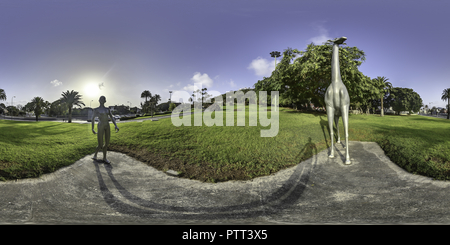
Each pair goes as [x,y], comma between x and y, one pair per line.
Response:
[102,99]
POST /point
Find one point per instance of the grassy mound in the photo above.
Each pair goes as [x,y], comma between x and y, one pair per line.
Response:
[220,153]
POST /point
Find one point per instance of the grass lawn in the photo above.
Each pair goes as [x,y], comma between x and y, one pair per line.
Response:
[416,143]
[154,115]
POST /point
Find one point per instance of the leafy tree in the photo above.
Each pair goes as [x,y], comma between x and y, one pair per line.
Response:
[200,98]
[2,94]
[70,99]
[57,108]
[154,101]
[446,96]
[13,111]
[434,109]
[203,97]
[27,107]
[151,103]
[404,99]
[282,79]
[144,107]
[172,106]
[36,105]
[371,94]
[21,112]
[305,79]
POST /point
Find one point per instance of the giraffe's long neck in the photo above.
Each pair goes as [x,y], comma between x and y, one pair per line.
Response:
[335,70]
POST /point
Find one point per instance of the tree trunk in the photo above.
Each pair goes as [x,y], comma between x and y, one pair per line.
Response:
[70,114]
[382,109]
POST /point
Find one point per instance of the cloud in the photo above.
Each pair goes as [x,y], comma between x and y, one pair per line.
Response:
[204,80]
[319,40]
[100,85]
[232,84]
[262,67]
[56,83]
[323,34]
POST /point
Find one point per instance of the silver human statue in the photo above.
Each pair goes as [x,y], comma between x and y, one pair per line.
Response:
[103,128]
[337,99]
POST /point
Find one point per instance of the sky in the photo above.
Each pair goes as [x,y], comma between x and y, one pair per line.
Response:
[121,48]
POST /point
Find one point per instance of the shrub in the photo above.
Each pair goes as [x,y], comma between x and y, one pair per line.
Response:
[172,106]
[214,107]
[126,118]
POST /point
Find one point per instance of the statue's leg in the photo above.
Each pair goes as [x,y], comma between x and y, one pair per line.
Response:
[330,115]
[107,137]
[99,140]
[336,121]
[345,121]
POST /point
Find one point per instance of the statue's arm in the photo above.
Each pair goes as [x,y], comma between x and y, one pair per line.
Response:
[94,113]
[113,120]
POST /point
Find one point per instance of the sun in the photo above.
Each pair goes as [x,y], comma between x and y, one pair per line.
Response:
[91,89]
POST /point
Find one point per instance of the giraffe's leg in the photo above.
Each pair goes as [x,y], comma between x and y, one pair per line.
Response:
[330,115]
[336,121]
[345,121]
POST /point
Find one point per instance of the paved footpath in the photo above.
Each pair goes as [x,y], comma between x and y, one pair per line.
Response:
[372,190]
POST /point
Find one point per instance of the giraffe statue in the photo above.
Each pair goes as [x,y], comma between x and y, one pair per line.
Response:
[337,99]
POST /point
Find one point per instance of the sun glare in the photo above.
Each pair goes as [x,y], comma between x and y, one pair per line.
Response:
[91,89]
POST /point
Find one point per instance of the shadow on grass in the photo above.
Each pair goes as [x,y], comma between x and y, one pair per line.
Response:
[324,125]
[410,132]
[18,133]
[425,118]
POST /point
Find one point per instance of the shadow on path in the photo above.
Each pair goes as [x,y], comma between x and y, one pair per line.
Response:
[295,185]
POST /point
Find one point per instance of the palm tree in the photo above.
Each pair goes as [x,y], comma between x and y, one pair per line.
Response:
[46,107]
[446,96]
[70,99]
[2,94]
[150,101]
[154,101]
[156,98]
[384,86]
[2,108]
[146,94]
[36,105]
